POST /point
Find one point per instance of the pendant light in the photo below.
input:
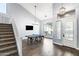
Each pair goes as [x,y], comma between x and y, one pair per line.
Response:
[35,22]
[62,9]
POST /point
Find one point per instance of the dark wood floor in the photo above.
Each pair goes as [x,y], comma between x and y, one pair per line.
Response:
[47,48]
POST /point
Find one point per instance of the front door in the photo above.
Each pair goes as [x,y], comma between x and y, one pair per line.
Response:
[68,31]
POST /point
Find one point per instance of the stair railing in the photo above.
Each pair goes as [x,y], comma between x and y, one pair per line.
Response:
[17,37]
[4,18]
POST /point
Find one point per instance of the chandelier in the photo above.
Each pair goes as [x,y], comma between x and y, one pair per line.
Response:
[62,10]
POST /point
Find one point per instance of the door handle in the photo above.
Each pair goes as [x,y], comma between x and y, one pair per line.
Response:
[63,35]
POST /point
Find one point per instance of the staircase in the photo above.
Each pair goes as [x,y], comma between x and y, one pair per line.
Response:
[7,41]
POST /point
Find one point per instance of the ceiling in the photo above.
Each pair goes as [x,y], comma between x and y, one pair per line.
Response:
[43,10]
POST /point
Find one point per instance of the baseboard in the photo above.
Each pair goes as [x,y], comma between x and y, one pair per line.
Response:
[57,43]
[65,46]
[48,37]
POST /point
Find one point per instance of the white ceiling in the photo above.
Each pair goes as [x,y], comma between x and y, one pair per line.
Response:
[43,10]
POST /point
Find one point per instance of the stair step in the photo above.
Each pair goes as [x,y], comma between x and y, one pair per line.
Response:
[3,28]
[9,47]
[6,35]
[3,36]
[10,40]
[7,53]
[6,30]
[3,46]
[5,25]
[7,39]
[14,54]
[1,33]
[5,43]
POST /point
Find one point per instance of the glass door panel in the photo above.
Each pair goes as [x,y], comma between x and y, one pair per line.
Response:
[48,29]
[68,31]
[68,25]
[58,29]
[68,28]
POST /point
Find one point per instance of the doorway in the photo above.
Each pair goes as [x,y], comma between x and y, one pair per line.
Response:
[48,30]
[65,31]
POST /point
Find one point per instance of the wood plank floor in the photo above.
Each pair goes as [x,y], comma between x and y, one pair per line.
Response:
[47,48]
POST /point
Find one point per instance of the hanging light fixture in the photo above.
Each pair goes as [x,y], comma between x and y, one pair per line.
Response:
[35,22]
[62,9]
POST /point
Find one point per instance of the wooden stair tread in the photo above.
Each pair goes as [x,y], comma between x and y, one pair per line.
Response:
[4,24]
[5,27]
[9,26]
[9,30]
[9,47]
[8,53]
[6,35]
[6,39]
[5,32]
[7,43]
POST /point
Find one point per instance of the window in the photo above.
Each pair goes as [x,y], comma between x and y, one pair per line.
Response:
[2,7]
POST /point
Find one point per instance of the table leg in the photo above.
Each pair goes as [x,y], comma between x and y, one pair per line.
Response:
[31,40]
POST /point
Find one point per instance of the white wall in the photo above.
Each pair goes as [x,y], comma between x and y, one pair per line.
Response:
[47,20]
[21,18]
